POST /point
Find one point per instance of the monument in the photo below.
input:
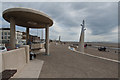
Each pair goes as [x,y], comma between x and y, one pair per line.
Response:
[81,41]
[59,39]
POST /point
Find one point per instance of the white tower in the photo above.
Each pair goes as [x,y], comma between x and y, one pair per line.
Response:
[59,38]
[81,41]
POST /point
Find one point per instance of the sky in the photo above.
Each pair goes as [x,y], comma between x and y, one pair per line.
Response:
[101,19]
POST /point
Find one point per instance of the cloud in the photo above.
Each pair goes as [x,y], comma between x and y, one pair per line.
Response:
[112,36]
[100,18]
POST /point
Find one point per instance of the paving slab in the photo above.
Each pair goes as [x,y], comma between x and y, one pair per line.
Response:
[31,70]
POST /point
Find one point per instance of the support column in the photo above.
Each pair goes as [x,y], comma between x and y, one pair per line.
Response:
[81,42]
[12,33]
[47,40]
[27,35]
[42,34]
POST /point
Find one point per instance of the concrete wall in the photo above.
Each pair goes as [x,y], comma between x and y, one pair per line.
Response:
[14,59]
[0,66]
[0,62]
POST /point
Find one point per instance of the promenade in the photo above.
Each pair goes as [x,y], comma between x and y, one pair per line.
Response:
[64,63]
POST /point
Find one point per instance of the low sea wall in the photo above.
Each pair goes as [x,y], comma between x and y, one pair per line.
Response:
[15,59]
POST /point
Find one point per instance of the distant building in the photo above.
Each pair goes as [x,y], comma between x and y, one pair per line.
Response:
[23,37]
[18,37]
[4,35]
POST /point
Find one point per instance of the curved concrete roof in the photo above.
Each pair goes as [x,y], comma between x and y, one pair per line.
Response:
[28,17]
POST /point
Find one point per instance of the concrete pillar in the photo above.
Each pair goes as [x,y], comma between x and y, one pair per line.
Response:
[27,53]
[12,33]
[42,34]
[47,40]
[27,35]
[81,42]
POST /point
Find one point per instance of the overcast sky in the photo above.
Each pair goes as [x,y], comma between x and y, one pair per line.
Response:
[101,19]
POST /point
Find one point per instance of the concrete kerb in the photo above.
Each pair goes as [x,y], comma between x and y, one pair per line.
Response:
[116,61]
[30,70]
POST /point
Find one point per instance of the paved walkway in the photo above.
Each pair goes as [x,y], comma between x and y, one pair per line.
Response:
[30,70]
[64,63]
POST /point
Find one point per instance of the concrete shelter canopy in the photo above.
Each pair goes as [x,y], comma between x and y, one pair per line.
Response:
[28,17]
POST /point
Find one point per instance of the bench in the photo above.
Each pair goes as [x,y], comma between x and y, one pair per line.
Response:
[36,47]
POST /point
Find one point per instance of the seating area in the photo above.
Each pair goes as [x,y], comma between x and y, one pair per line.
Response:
[14,60]
[37,48]
[17,62]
